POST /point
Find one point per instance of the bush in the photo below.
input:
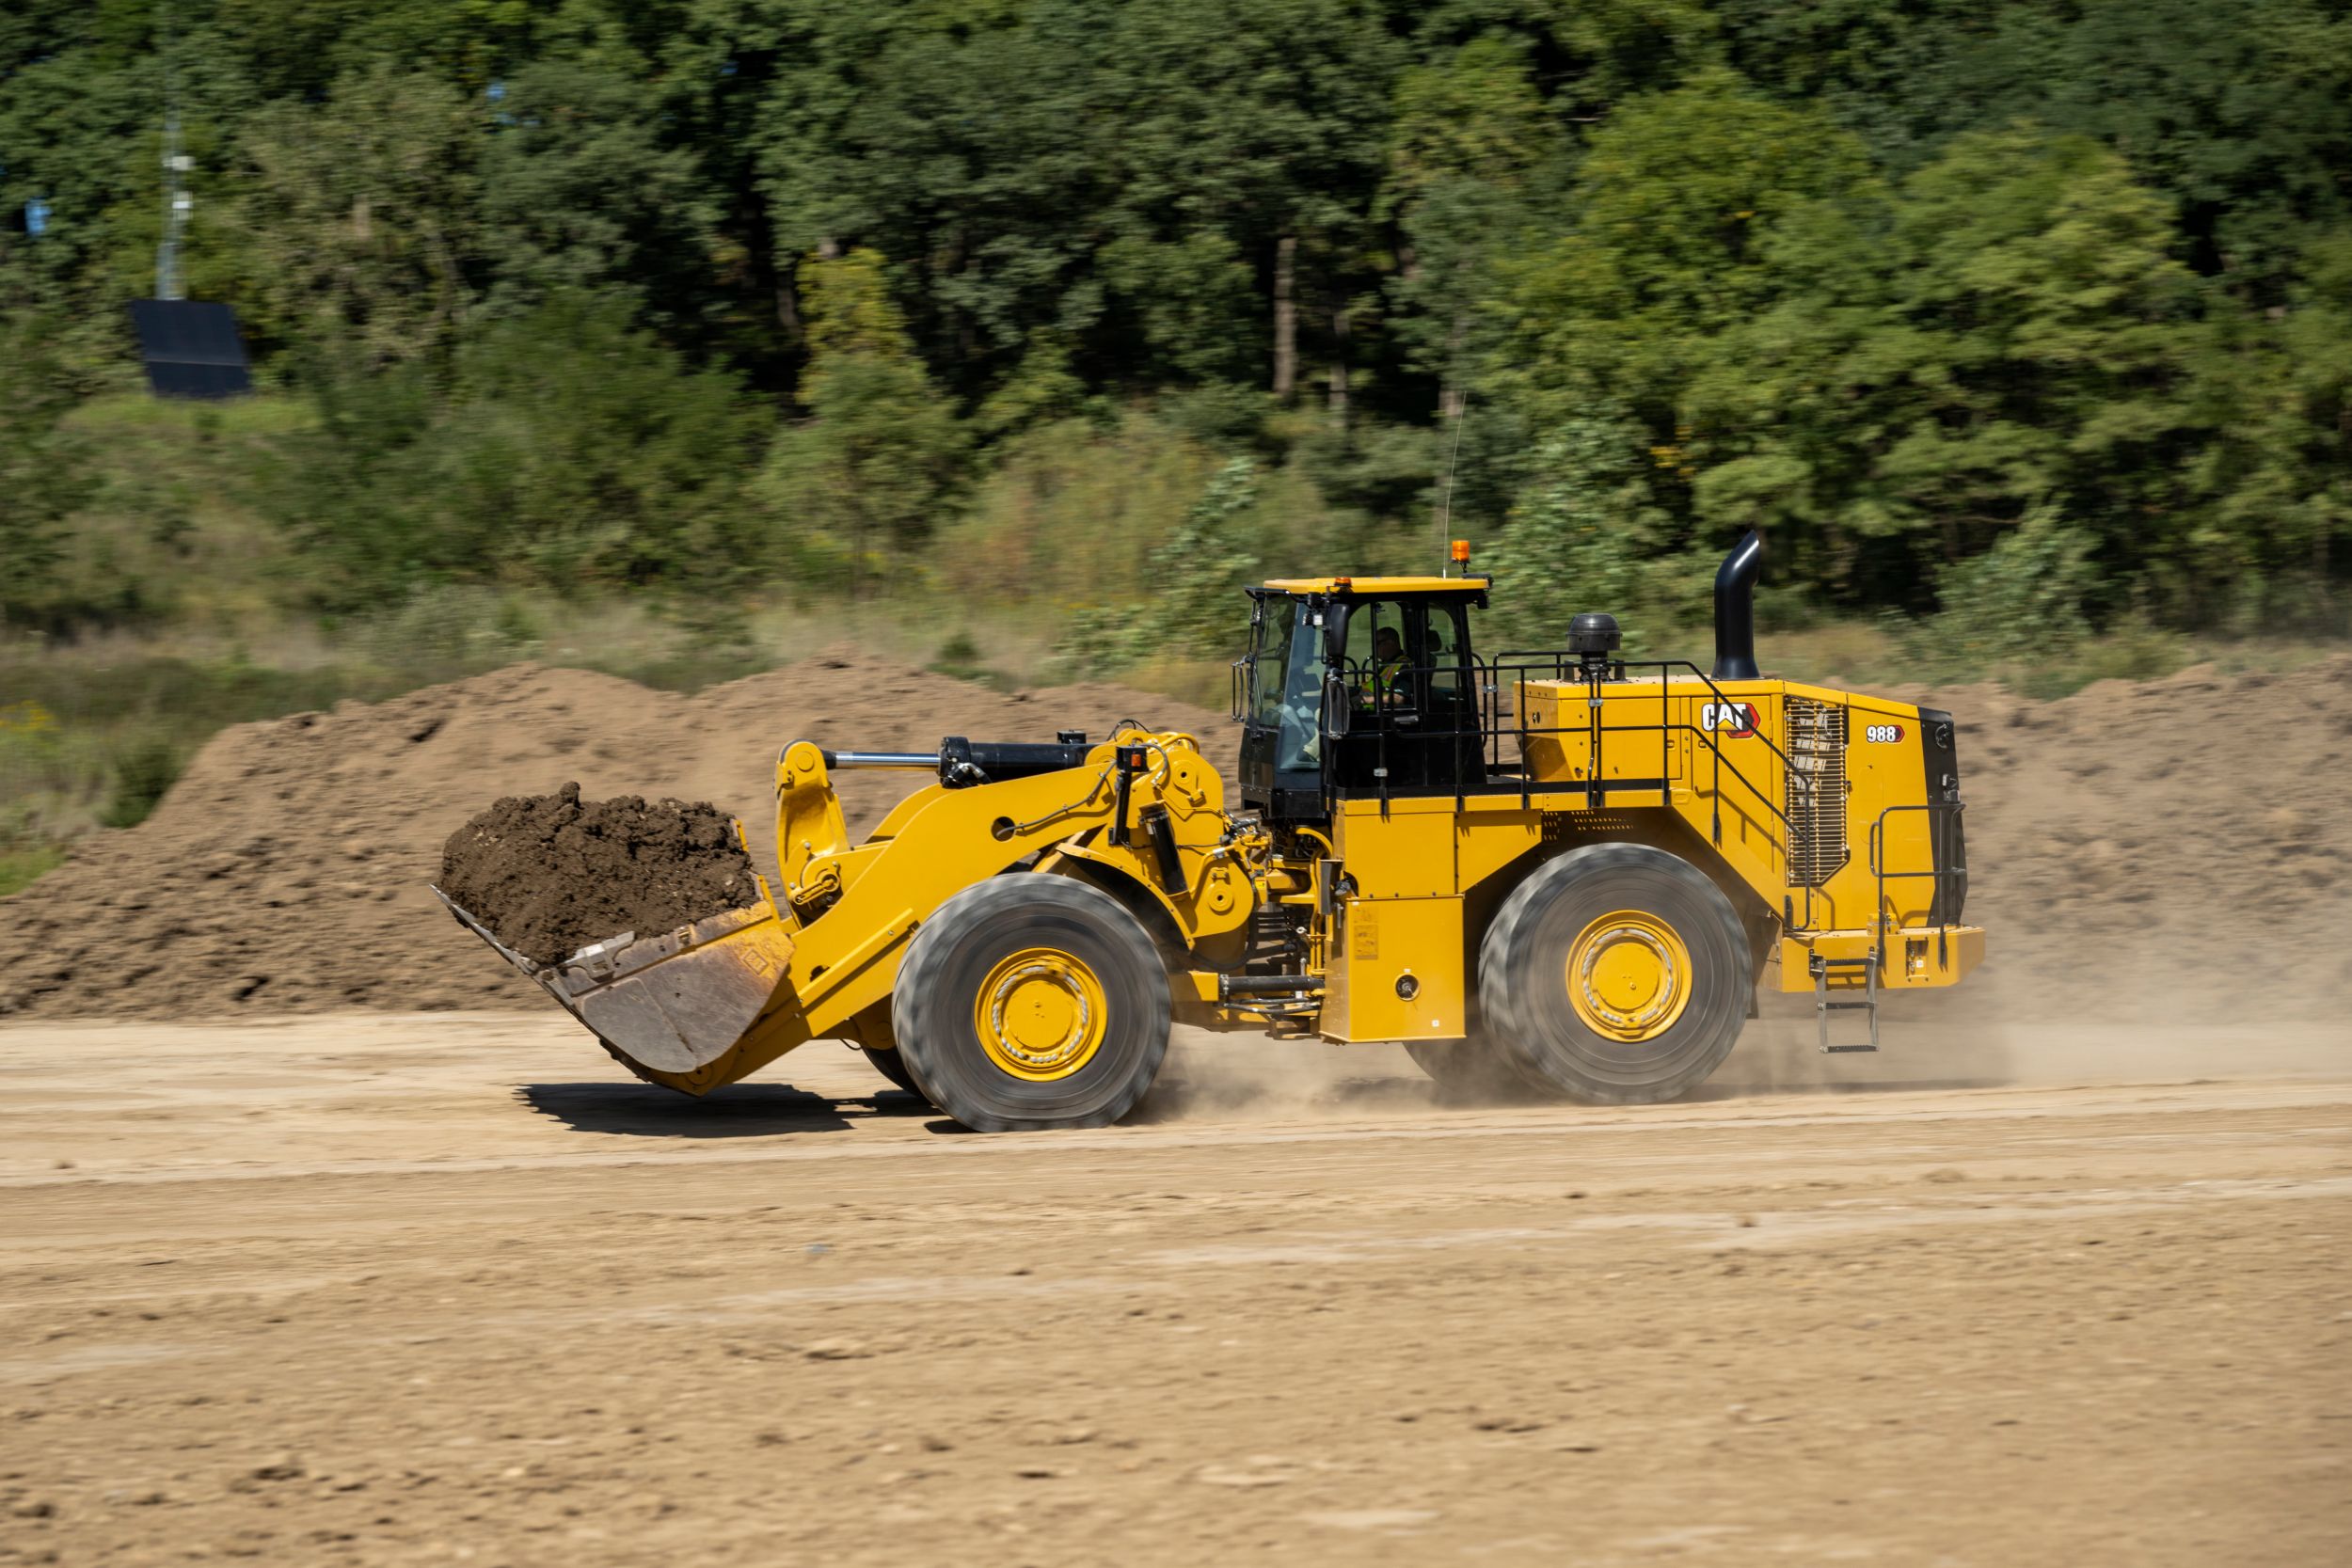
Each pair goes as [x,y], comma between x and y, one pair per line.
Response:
[1199,572]
[45,470]
[446,629]
[2020,601]
[569,447]
[142,777]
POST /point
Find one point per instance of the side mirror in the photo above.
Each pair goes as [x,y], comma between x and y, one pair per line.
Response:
[1339,707]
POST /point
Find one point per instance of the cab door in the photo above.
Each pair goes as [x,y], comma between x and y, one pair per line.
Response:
[1413,722]
[1282,709]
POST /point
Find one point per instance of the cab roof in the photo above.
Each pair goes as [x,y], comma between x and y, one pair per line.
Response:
[1376,587]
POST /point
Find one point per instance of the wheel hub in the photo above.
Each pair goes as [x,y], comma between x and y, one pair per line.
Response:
[1628,976]
[1040,1014]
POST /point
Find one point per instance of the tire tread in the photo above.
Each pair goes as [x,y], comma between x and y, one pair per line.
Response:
[1504,954]
[923,1011]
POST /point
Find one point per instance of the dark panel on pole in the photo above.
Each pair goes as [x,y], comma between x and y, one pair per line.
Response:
[191,348]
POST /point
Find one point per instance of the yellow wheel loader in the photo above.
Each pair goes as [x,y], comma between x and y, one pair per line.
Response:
[1559,871]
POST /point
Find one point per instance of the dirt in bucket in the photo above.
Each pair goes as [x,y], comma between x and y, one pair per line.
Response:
[552,874]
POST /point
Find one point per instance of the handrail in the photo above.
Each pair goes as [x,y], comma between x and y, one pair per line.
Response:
[1380,686]
[1881,875]
[1562,670]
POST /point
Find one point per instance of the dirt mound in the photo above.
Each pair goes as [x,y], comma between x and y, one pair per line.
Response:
[288,869]
[2169,849]
[2165,850]
[550,874]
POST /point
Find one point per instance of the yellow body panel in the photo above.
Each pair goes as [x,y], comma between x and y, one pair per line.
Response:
[1387,946]
[1674,773]
[1734,792]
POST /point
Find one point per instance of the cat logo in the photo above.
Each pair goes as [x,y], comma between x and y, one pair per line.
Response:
[1736,720]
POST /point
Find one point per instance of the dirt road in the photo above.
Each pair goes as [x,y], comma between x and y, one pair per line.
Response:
[368,1289]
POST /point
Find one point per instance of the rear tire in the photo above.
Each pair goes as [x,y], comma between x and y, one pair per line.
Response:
[1472,1069]
[1031,1001]
[1616,974]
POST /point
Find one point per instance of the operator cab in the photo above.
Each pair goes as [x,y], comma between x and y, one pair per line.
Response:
[1358,685]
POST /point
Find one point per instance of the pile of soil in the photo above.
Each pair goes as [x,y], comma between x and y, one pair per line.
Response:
[551,874]
[288,871]
[2161,851]
[2171,850]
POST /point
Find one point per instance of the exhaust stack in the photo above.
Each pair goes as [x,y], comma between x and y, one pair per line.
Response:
[1734,609]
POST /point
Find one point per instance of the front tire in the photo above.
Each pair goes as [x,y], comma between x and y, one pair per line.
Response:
[870,1031]
[894,1067]
[1616,974]
[1031,1001]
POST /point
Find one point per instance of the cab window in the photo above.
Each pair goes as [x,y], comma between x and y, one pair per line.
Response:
[1379,651]
[1441,651]
[1298,743]
[1266,662]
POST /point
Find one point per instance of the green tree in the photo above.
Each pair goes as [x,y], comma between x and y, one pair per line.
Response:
[1674,210]
[1904,284]
[2241,119]
[570,449]
[578,192]
[1678,207]
[2277,387]
[2006,334]
[597,454]
[1472,147]
[976,145]
[80,135]
[364,219]
[45,473]
[880,457]
[1264,123]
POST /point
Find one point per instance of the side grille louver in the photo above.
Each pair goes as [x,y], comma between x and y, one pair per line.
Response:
[1816,788]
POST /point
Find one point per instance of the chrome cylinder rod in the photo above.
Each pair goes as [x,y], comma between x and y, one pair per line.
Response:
[926,760]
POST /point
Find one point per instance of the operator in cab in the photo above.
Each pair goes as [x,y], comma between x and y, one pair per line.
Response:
[1386,675]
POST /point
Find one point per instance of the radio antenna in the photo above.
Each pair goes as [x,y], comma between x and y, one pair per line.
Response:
[1445,492]
[175,200]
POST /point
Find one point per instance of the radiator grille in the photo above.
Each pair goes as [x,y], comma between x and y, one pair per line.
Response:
[1816,791]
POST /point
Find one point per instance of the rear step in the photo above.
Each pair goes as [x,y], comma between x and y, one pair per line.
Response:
[1823,1007]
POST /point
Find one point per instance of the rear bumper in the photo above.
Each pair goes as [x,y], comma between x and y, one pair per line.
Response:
[1916,959]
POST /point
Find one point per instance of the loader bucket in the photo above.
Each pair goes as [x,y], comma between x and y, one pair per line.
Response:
[672,1002]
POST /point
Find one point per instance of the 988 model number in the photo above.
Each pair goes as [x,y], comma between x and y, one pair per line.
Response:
[1883,735]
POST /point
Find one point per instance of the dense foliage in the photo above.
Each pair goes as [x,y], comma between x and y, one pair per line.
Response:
[2036,312]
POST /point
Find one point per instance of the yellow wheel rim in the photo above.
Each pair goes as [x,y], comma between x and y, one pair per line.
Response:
[1040,1014]
[1628,976]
